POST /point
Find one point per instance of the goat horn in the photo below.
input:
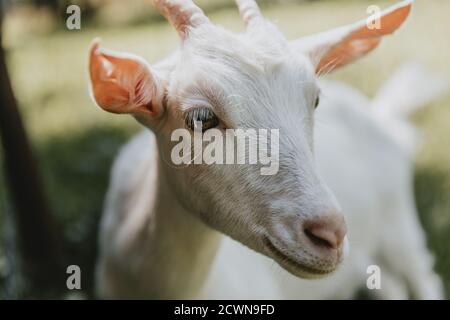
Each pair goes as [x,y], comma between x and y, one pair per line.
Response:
[249,10]
[182,14]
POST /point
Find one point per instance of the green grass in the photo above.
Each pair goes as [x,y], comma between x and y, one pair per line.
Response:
[76,142]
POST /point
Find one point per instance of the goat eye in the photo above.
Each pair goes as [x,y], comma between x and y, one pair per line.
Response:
[205,115]
[316,103]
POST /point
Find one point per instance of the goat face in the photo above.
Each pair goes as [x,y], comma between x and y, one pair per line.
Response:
[255,80]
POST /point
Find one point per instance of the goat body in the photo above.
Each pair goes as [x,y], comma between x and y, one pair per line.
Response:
[163,224]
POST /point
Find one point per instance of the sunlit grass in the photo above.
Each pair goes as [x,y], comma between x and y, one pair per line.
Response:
[76,141]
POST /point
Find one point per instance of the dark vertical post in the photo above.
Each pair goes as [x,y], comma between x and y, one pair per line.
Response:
[31,219]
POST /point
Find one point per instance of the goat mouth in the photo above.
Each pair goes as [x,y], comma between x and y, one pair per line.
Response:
[291,264]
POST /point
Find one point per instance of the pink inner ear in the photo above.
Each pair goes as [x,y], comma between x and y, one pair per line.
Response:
[362,40]
[118,83]
[390,22]
[345,53]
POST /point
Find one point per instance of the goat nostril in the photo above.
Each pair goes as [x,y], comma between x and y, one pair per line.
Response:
[324,235]
[321,239]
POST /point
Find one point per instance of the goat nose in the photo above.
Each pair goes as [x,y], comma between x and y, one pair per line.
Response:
[328,232]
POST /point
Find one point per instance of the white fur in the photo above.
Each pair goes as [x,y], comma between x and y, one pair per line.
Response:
[375,192]
[163,225]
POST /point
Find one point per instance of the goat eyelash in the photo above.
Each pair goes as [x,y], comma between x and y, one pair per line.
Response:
[205,115]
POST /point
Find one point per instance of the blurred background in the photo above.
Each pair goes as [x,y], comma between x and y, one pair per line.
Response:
[74,143]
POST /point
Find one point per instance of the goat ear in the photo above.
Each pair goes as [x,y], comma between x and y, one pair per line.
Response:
[123,83]
[335,48]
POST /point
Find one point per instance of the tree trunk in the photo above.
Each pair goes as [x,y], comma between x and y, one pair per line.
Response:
[36,241]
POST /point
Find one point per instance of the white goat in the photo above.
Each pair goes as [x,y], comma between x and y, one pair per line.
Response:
[381,215]
[159,231]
